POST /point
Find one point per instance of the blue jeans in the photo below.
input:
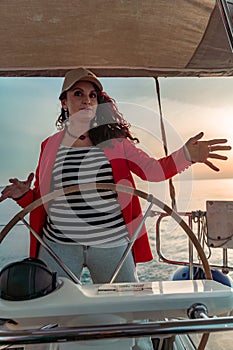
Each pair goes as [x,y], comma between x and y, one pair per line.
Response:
[101,262]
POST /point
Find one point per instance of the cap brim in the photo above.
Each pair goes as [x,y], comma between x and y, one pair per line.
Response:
[93,80]
[84,78]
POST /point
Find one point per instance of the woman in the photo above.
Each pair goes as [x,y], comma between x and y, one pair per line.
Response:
[93,228]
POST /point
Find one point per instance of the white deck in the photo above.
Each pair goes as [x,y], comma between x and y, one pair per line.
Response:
[72,304]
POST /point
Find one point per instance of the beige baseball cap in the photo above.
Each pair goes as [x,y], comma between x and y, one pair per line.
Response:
[75,75]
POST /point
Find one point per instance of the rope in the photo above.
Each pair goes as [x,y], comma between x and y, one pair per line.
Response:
[172,191]
[199,218]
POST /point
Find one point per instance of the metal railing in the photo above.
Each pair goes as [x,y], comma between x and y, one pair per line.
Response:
[129,330]
[225,267]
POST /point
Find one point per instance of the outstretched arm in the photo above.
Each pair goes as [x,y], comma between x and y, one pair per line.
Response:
[17,188]
[201,151]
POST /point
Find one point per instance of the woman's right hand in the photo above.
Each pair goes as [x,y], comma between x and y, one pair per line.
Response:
[17,188]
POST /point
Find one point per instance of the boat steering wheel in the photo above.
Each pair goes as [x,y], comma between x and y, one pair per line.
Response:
[106,186]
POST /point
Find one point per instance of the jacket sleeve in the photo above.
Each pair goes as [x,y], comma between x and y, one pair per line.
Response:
[151,169]
[32,194]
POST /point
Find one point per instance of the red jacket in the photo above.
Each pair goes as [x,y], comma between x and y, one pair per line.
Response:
[125,158]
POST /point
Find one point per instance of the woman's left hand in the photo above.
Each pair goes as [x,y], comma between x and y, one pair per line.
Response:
[200,151]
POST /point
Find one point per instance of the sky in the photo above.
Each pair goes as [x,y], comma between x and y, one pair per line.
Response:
[30,106]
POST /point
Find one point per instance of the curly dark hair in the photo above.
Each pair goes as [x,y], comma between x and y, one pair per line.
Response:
[110,122]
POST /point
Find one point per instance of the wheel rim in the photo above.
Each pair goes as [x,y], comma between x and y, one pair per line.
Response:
[118,188]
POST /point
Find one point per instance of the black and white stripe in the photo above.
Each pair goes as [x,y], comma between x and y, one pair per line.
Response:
[89,217]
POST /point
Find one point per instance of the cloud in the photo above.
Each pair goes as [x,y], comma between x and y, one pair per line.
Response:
[212,92]
[136,90]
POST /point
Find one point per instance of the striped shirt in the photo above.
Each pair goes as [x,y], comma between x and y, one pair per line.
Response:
[90,217]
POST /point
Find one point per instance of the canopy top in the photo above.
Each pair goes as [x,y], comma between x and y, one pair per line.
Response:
[115,38]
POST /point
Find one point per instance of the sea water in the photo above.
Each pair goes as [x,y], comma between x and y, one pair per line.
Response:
[174,242]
